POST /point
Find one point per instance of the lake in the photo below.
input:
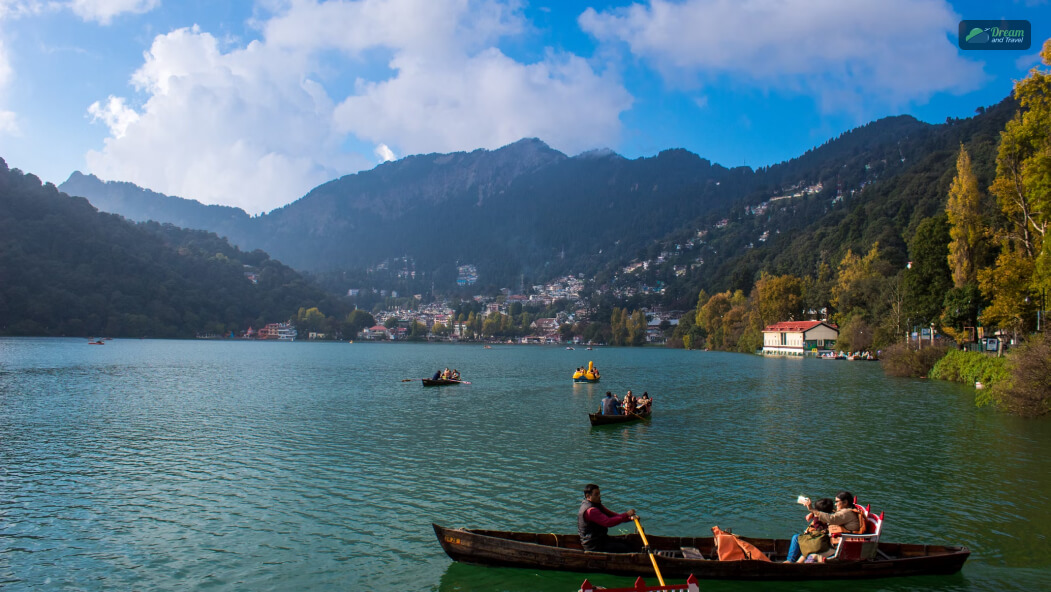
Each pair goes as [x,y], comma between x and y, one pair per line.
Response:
[227,465]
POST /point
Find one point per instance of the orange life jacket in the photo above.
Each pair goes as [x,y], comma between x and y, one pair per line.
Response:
[834,530]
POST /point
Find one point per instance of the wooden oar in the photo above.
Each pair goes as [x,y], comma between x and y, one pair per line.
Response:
[653,559]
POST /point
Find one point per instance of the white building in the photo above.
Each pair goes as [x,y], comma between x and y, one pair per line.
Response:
[799,337]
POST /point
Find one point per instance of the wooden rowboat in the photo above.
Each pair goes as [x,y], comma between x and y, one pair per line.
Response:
[678,557]
[600,419]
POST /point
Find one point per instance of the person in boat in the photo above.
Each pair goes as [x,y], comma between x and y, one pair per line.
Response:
[594,521]
[446,374]
[846,519]
[437,375]
[815,537]
[644,403]
[609,404]
[629,404]
[455,375]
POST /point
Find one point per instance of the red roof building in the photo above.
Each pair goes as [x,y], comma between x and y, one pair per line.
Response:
[798,337]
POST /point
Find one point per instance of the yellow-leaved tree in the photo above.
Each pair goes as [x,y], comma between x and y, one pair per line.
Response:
[1022,272]
[965,222]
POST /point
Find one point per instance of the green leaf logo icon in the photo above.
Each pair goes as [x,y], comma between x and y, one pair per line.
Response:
[976,32]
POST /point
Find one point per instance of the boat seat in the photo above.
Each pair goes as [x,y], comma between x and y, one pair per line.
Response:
[692,553]
[860,547]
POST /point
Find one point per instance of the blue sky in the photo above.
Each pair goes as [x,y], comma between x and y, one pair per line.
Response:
[253,103]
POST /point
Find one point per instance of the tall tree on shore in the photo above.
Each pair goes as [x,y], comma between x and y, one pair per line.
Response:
[1023,191]
[965,222]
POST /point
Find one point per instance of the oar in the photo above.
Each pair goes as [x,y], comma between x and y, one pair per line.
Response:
[653,559]
[411,379]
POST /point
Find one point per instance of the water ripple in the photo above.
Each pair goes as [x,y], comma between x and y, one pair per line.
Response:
[246,466]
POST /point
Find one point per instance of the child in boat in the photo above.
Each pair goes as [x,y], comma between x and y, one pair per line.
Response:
[817,533]
[629,404]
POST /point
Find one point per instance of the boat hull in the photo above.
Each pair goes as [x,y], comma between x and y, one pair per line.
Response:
[598,419]
[440,382]
[563,552]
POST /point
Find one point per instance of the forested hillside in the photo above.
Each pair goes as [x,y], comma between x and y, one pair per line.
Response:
[67,269]
[879,194]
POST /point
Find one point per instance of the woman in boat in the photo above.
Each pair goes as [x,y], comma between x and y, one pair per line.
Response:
[846,519]
[455,375]
[645,402]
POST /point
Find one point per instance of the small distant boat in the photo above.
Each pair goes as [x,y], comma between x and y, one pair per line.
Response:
[97,342]
[598,419]
[569,348]
[488,347]
[442,382]
[589,348]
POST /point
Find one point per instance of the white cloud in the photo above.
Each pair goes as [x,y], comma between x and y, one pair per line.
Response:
[103,11]
[9,123]
[487,100]
[259,126]
[115,114]
[847,54]
[245,128]
[8,119]
[385,153]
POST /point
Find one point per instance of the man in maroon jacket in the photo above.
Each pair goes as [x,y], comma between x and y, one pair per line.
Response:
[594,521]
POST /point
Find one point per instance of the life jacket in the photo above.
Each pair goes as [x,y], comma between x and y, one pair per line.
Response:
[836,529]
[731,548]
[590,533]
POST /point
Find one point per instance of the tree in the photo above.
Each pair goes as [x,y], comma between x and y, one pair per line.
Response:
[710,318]
[926,281]
[637,328]
[779,298]
[310,320]
[1008,283]
[356,321]
[1023,191]
[854,282]
[965,222]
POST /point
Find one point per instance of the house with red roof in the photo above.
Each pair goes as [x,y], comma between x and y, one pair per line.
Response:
[377,332]
[799,337]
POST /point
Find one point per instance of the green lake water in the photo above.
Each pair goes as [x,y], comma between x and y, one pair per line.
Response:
[214,465]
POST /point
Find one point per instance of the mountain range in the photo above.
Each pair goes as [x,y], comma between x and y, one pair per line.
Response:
[528,212]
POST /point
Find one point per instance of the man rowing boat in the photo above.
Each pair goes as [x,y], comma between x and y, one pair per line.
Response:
[594,521]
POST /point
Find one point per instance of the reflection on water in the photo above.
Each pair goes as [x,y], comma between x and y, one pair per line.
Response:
[232,465]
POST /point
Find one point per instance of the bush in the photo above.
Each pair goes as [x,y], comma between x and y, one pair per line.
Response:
[901,360]
[1027,389]
[970,367]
